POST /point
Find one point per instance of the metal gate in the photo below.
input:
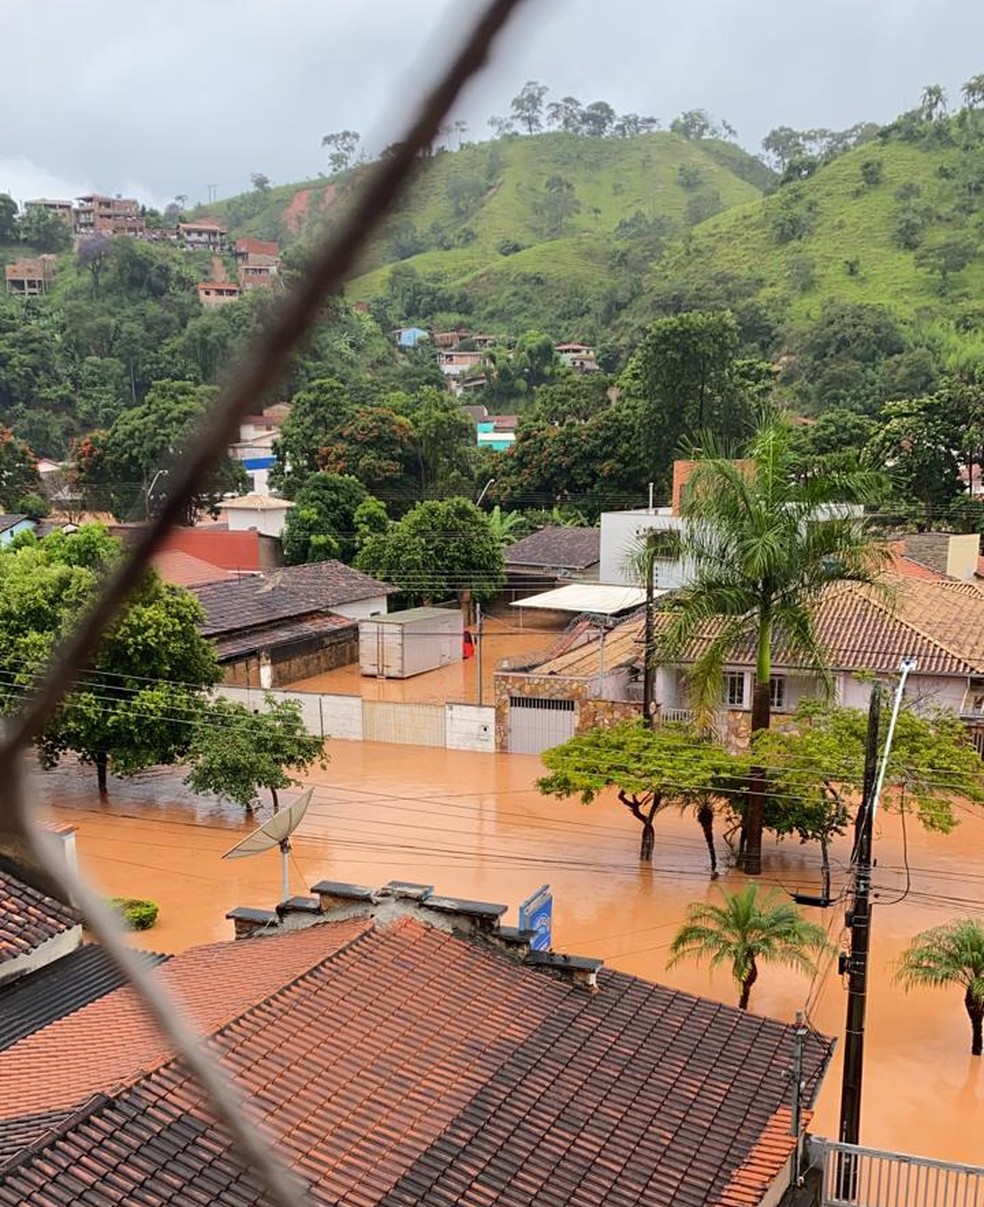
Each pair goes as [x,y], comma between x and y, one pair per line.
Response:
[869,1177]
[537,723]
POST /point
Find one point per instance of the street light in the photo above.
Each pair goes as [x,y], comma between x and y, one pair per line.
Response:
[490,482]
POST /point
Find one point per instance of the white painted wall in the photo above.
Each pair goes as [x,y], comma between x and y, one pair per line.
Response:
[620,533]
[362,609]
[341,717]
[471,727]
[269,521]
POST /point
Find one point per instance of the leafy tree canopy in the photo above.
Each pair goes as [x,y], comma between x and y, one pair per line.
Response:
[235,751]
[440,549]
[322,522]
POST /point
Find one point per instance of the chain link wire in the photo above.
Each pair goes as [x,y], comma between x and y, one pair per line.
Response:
[24,845]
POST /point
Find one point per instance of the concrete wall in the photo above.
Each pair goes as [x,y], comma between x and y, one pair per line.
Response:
[362,609]
[620,532]
[300,660]
[352,719]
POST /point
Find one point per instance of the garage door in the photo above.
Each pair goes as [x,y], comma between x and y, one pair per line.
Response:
[536,724]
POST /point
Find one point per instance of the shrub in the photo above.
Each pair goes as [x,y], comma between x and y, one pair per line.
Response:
[137,913]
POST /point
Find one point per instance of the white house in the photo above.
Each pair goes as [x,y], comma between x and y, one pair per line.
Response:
[262,512]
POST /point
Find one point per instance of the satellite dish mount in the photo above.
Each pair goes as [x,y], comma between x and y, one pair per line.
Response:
[275,832]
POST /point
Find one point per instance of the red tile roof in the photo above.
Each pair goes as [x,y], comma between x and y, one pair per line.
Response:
[765,1162]
[108,1043]
[402,1066]
[185,570]
[29,918]
[217,545]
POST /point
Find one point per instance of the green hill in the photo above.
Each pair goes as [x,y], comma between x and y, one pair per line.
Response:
[513,229]
[894,222]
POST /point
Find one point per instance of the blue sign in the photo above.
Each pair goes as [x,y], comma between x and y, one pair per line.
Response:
[536,914]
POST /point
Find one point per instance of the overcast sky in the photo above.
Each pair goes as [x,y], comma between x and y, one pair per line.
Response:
[158,99]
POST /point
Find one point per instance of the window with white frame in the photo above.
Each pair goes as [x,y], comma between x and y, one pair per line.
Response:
[777,692]
[734,689]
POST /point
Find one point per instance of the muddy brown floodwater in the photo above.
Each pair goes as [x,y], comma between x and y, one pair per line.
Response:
[474,825]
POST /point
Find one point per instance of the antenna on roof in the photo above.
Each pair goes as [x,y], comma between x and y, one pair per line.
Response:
[275,832]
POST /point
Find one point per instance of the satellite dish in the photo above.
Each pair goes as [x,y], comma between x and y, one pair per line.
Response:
[275,832]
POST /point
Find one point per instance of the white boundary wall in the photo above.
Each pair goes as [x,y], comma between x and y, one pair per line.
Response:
[466,726]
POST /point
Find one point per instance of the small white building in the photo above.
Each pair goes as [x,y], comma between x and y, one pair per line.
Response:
[265,513]
[409,643]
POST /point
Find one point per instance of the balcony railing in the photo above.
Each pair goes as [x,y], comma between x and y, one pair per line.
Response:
[869,1177]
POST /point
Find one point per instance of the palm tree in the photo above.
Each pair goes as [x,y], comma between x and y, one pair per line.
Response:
[952,954]
[764,542]
[505,525]
[744,930]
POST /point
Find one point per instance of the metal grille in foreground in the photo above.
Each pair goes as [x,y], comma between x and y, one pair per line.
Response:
[868,1177]
[22,841]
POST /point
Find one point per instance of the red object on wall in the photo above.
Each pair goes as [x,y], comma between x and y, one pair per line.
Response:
[467,646]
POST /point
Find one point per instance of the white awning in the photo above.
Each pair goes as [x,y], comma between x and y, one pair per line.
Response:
[603,599]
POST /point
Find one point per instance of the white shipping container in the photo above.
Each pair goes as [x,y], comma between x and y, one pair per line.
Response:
[402,644]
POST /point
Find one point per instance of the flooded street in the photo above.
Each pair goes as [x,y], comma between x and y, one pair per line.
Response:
[501,638]
[473,825]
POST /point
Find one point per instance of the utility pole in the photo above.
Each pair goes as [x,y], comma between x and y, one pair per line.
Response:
[648,669]
[859,920]
[796,1115]
[478,649]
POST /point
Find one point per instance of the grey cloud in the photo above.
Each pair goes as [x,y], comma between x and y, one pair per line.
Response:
[172,98]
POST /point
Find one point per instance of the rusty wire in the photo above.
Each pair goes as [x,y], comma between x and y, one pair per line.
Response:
[23,844]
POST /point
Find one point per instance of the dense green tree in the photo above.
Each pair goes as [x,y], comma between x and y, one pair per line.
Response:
[952,954]
[8,218]
[650,769]
[439,550]
[565,114]
[527,106]
[816,771]
[748,928]
[44,231]
[127,467]
[235,751]
[19,478]
[321,524]
[764,545]
[445,438]
[914,443]
[134,704]
[342,145]
[687,378]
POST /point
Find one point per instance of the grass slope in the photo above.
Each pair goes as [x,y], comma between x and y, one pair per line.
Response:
[850,249]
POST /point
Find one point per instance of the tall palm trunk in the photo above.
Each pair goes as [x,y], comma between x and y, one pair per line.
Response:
[761,717]
[746,985]
[975,1009]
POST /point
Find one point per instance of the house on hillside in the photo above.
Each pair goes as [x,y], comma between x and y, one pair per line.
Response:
[410,337]
[579,357]
[263,512]
[497,432]
[214,294]
[30,277]
[98,214]
[940,623]
[247,248]
[202,236]
[400,1047]
[289,624]
[59,208]
[12,525]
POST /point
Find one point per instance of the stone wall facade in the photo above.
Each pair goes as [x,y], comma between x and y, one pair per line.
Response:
[299,660]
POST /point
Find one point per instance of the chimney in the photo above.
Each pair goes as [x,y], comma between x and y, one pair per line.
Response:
[249,922]
[681,472]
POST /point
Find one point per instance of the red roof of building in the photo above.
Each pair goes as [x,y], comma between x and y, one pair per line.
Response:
[29,918]
[399,1064]
[256,247]
[218,546]
[185,570]
[907,567]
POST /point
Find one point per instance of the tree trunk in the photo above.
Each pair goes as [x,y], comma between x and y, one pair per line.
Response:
[102,764]
[276,800]
[976,1011]
[761,716]
[825,867]
[648,842]
[705,819]
[746,987]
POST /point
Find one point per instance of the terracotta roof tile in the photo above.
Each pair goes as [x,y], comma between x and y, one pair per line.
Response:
[29,917]
[108,1042]
[940,622]
[408,1066]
